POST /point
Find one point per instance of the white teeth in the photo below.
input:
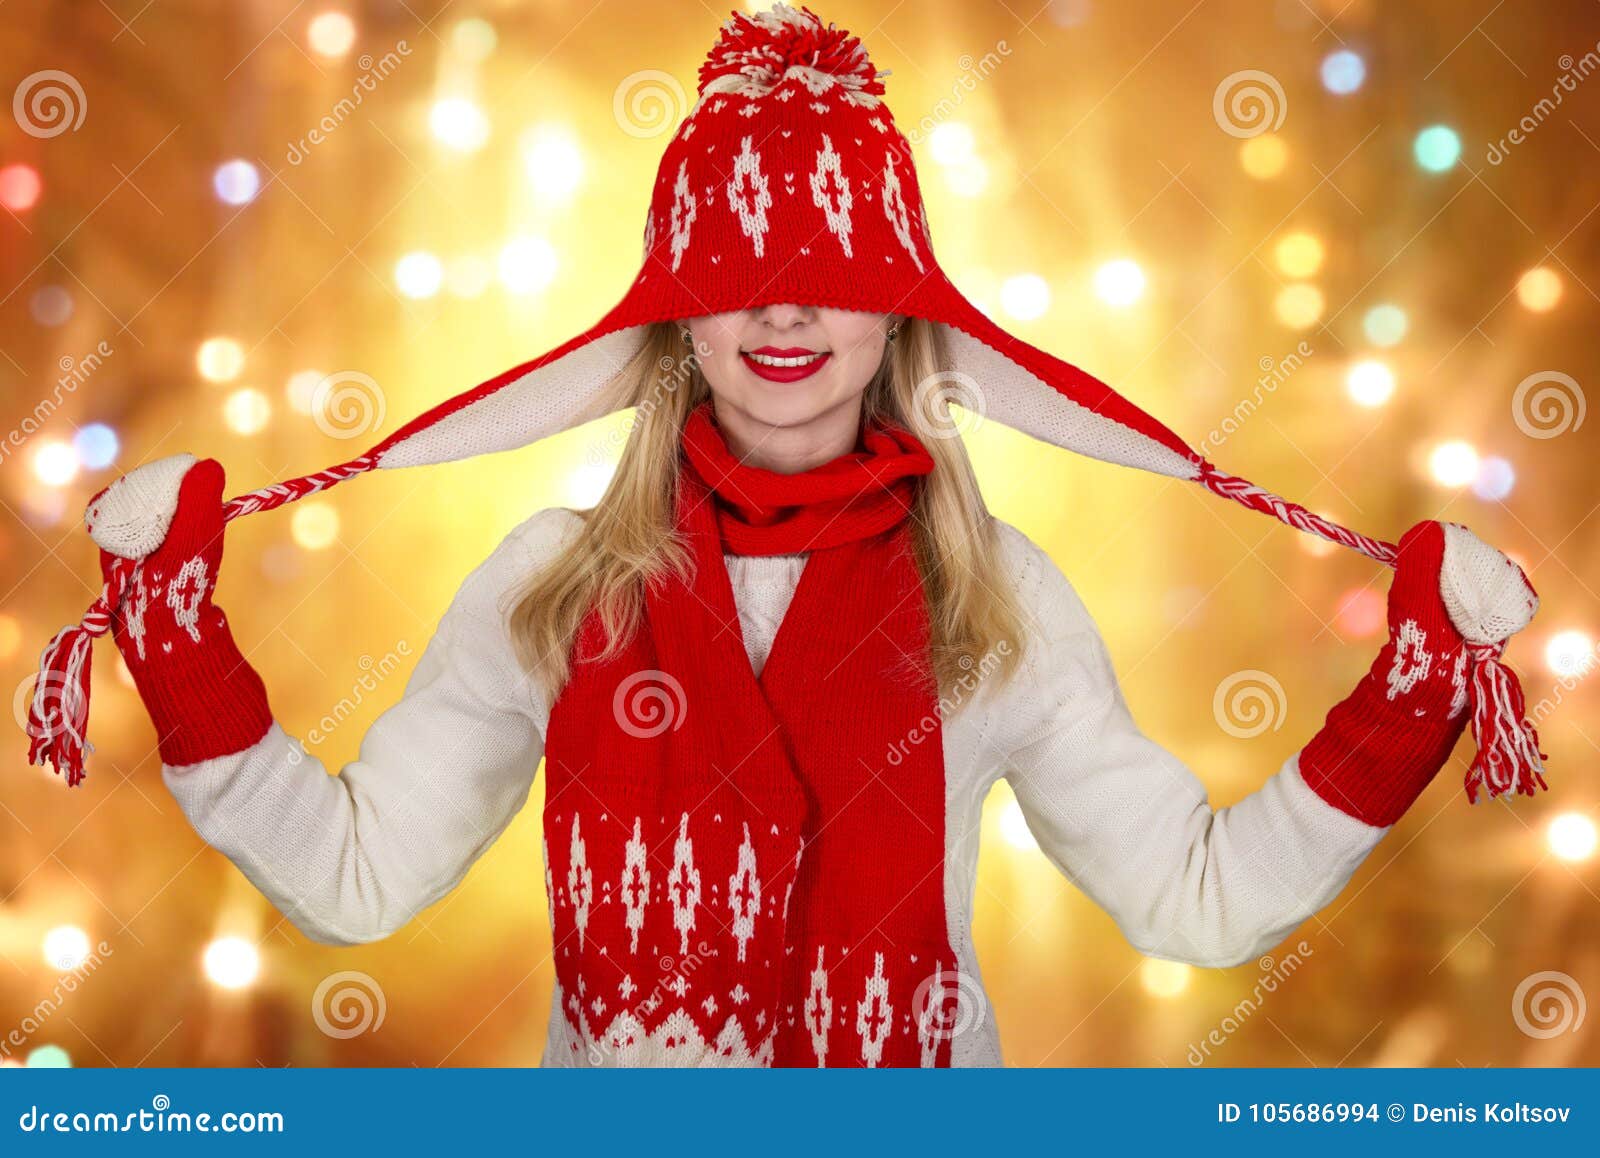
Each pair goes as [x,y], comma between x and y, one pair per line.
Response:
[769,360]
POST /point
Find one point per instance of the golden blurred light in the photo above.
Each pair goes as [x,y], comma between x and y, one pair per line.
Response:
[951,143]
[1164,978]
[1539,289]
[1495,479]
[1362,612]
[474,39]
[55,463]
[1453,464]
[1384,324]
[314,525]
[1025,296]
[968,179]
[469,276]
[527,265]
[20,186]
[1569,653]
[553,162]
[124,676]
[231,962]
[66,947]
[1370,383]
[301,389]
[246,411]
[1571,836]
[1298,254]
[1264,157]
[1119,283]
[418,275]
[1298,306]
[49,1057]
[219,359]
[10,636]
[1014,828]
[331,34]
[459,124]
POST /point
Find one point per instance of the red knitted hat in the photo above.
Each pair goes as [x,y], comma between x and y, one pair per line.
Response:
[788,182]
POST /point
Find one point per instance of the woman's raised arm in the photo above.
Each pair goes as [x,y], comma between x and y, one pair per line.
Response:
[352,857]
[1132,826]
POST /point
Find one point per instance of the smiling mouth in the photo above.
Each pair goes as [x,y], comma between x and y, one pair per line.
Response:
[785,364]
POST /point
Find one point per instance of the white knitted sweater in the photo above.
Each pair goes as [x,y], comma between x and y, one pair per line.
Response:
[352,858]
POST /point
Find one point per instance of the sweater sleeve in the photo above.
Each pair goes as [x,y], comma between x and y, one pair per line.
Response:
[1132,826]
[351,858]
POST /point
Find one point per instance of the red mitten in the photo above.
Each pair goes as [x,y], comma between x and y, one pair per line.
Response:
[1381,746]
[203,696]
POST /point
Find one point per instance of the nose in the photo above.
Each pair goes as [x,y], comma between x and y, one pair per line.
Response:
[785,316]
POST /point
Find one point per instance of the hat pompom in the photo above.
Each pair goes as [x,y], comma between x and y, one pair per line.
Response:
[757,52]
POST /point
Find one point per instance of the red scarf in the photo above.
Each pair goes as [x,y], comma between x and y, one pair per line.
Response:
[749,870]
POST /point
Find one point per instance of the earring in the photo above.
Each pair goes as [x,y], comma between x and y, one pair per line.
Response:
[894,332]
[688,338]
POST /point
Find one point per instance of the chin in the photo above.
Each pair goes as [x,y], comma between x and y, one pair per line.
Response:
[784,406]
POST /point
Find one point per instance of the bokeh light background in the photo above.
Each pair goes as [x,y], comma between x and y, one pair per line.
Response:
[1300,232]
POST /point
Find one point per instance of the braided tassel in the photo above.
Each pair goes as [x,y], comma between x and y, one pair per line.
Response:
[58,714]
[1508,757]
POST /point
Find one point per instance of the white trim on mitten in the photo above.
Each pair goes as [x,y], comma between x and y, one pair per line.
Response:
[1484,592]
[130,518]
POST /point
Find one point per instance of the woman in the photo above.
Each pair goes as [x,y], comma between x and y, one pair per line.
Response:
[775,671]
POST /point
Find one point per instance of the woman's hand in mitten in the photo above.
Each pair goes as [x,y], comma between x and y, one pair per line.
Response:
[203,697]
[1453,596]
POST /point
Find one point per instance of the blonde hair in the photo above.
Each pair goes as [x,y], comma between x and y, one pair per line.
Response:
[628,539]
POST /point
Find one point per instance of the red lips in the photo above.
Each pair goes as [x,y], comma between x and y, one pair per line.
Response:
[816,360]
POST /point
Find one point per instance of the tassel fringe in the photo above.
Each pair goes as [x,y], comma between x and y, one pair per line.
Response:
[1508,758]
[58,713]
